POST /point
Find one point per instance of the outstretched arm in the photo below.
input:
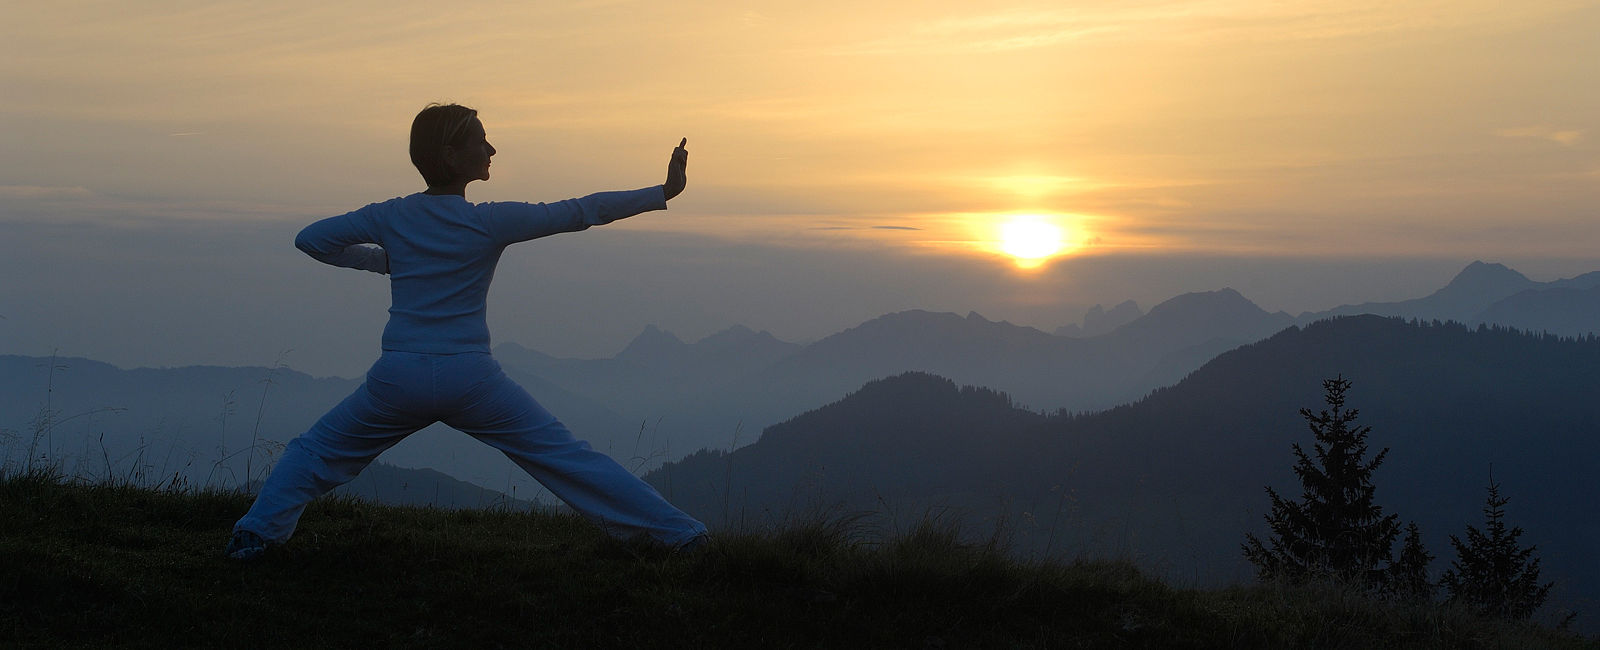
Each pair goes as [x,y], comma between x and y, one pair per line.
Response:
[515,222]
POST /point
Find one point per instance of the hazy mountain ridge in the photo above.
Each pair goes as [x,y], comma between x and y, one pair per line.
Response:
[1563,310]
[733,350]
[403,486]
[1099,321]
[194,413]
[1492,293]
[693,399]
[1474,289]
[837,455]
[656,370]
[1200,316]
[1189,330]
[1041,370]
[1177,477]
[662,397]
[199,422]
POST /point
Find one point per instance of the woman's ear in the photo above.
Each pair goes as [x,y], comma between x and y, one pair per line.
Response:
[447,153]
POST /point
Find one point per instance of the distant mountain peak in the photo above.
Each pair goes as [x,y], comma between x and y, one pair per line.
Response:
[650,344]
[1480,274]
[1224,298]
[1479,285]
[653,332]
[738,331]
[741,338]
[1098,320]
[1204,315]
[1474,289]
[922,320]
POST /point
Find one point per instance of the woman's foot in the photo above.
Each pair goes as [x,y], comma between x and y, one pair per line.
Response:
[245,546]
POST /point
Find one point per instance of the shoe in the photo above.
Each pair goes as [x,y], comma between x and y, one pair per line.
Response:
[694,544]
[245,546]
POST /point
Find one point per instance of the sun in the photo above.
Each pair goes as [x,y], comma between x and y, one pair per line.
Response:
[1031,240]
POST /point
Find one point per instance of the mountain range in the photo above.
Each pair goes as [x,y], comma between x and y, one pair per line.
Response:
[722,391]
[199,423]
[1175,479]
[1099,321]
[1492,293]
[662,398]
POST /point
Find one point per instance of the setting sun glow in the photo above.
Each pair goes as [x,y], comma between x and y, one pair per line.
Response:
[1031,240]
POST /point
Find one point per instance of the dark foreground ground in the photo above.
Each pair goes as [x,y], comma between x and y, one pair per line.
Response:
[98,566]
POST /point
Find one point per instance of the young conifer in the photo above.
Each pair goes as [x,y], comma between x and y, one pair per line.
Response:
[1408,576]
[1491,573]
[1335,531]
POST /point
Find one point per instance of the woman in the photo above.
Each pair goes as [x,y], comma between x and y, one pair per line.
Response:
[440,252]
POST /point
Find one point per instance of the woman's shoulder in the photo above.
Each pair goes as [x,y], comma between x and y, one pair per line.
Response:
[419,200]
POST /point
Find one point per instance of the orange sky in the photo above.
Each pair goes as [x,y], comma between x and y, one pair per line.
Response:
[1307,128]
[847,160]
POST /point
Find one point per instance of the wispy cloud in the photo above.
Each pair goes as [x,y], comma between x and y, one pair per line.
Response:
[43,191]
[1564,137]
[864,228]
[992,32]
[1044,26]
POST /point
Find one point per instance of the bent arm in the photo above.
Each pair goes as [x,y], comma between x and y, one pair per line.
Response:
[515,222]
[342,241]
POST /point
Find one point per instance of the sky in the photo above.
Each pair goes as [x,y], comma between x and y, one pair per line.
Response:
[1025,160]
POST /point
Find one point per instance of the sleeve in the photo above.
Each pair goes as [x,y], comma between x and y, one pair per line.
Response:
[344,241]
[516,222]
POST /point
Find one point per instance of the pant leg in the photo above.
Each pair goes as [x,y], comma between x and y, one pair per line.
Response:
[342,443]
[504,416]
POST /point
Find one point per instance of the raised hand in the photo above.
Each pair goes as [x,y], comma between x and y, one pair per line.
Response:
[677,174]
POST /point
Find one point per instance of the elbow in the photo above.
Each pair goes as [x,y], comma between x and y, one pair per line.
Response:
[303,241]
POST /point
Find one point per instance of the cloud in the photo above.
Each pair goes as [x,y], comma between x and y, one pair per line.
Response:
[1564,137]
[997,32]
[863,228]
[43,191]
[1209,21]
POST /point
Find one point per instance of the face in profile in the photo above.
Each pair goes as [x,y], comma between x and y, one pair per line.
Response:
[469,155]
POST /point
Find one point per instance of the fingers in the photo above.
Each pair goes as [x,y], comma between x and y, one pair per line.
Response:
[680,155]
[676,168]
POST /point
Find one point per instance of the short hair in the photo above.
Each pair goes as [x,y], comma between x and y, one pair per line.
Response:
[436,126]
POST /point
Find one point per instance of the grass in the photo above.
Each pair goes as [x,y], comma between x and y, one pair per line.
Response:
[95,565]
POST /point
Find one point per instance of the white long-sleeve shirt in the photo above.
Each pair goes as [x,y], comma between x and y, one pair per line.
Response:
[440,253]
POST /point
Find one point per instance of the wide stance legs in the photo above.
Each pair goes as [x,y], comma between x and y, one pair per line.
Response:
[407,391]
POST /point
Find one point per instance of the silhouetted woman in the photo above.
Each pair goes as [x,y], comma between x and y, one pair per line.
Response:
[440,252]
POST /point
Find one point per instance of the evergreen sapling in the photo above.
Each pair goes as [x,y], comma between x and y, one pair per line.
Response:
[1491,573]
[1335,532]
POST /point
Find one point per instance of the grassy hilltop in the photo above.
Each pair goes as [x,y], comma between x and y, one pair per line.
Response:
[96,566]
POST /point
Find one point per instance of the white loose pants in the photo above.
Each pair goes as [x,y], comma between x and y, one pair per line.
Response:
[469,392]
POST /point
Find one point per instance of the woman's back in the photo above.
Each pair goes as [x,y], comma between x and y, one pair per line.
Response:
[440,252]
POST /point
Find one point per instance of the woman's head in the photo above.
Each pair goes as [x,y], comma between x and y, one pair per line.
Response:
[448,145]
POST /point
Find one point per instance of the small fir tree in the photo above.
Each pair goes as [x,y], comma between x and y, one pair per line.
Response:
[1491,574]
[1408,576]
[1335,531]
